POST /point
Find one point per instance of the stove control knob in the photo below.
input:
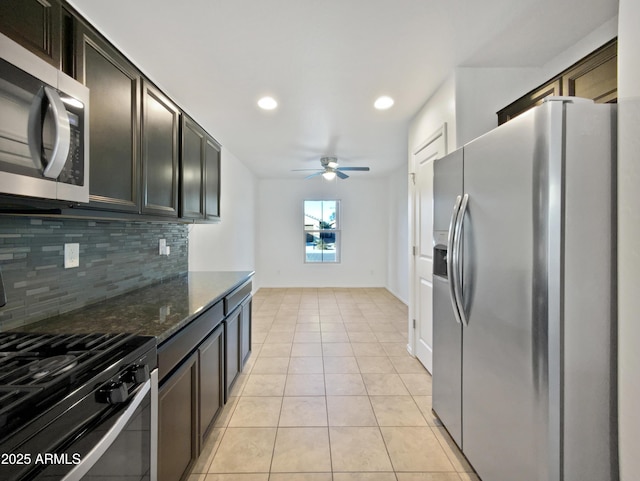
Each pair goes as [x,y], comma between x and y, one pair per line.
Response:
[113,393]
[136,374]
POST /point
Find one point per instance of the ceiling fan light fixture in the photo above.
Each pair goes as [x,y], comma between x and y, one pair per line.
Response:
[383,103]
[329,175]
[267,103]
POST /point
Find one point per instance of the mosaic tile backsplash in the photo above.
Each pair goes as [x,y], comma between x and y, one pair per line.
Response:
[115,257]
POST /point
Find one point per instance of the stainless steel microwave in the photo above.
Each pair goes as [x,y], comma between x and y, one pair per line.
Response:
[44,128]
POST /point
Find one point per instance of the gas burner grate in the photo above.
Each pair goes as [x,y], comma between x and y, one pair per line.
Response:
[48,344]
[26,369]
[32,366]
[11,396]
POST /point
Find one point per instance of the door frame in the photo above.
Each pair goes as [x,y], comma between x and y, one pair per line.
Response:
[439,135]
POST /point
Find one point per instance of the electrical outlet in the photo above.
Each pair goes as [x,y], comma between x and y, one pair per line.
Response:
[162,247]
[71,255]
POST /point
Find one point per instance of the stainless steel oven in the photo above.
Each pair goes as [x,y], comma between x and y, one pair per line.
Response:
[44,127]
[78,407]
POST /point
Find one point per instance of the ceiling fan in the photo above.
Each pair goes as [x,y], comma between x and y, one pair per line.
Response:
[330,169]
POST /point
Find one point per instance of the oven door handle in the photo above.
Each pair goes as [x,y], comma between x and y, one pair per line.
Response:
[99,449]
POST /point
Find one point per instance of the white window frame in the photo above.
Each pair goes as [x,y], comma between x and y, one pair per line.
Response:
[317,234]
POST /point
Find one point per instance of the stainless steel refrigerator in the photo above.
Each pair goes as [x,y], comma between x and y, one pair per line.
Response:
[524,315]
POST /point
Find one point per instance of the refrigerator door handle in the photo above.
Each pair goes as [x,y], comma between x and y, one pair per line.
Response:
[451,269]
[457,265]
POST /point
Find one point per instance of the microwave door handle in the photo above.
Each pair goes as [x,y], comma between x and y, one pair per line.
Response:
[451,271]
[53,168]
[457,246]
[63,135]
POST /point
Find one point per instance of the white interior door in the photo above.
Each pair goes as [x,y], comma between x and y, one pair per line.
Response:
[422,221]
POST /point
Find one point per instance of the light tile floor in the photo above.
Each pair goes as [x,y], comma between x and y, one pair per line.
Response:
[330,394]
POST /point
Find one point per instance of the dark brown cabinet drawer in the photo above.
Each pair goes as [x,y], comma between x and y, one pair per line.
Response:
[236,297]
[173,351]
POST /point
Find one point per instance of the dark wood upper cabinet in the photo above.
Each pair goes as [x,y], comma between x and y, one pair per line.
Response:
[160,126]
[114,150]
[192,195]
[594,77]
[529,100]
[34,24]
[212,179]
[199,173]
[142,160]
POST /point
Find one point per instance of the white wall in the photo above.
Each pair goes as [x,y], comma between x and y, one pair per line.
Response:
[398,257]
[481,92]
[280,240]
[439,109]
[230,244]
[628,235]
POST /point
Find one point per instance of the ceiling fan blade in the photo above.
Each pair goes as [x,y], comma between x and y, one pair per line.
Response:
[342,175]
[362,169]
[314,175]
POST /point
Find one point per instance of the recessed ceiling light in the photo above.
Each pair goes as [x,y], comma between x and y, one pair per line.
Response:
[267,103]
[383,103]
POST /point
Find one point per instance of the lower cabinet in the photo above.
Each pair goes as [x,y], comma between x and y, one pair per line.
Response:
[237,343]
[198,368]
[232,350]
[211,396]
[177,421]
[245,332]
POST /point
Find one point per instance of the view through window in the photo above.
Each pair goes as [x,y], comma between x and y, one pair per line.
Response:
[322,230]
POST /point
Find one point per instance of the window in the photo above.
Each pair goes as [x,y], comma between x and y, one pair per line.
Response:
[321,231]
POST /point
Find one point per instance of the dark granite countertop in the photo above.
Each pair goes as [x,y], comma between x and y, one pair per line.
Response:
[157,310]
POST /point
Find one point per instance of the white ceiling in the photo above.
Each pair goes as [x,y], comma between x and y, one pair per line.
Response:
[326,62]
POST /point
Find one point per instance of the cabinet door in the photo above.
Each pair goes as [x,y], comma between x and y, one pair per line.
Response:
[245,332]
[34,24]
[192,202]
[211,361]
[212,179]
[115,106]
[596,77]
[232,350]
[160,124]
[177,422]
[530,100]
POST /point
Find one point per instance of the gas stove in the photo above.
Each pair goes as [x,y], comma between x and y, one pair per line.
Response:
[55,390]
